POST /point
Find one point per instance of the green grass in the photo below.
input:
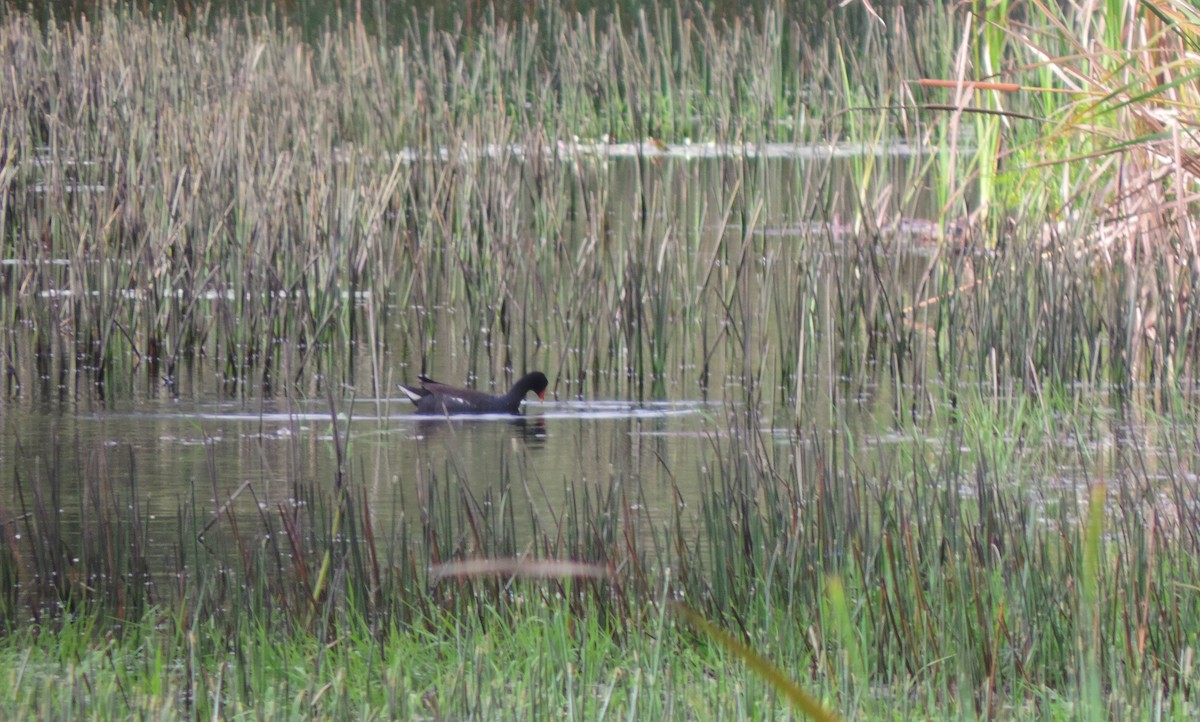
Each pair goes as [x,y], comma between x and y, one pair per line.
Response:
[930,579]
[537,660]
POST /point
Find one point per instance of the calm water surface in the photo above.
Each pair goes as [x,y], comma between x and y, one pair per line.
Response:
[202,454]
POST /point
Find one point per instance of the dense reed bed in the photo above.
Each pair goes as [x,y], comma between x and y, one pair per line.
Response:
[244,200]
[240,199]
[240,207]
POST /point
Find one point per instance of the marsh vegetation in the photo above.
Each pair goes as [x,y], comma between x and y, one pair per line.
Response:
[873,342]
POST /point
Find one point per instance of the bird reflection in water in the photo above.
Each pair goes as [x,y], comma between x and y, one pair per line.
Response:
[531,430]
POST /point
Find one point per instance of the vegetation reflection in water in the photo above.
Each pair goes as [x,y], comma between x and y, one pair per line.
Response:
[939,428]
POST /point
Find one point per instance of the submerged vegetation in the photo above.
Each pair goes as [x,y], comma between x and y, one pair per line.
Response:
[993,240]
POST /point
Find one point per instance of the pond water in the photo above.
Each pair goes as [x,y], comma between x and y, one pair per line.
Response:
[205,455]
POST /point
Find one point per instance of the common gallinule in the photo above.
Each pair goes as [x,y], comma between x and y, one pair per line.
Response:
[434,398]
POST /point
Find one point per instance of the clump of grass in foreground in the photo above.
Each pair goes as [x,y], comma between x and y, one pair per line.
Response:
[921,582]
[538,659]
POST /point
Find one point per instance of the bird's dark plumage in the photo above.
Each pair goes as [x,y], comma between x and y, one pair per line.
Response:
[432,397]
